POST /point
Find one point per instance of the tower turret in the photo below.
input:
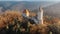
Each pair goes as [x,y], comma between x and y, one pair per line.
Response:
[40,15]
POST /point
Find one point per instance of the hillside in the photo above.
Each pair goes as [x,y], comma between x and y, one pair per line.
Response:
[53,10]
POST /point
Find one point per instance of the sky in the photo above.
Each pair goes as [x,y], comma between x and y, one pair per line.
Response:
[29,0]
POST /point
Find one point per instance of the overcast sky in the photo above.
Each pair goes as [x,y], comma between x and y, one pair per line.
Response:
[29,0]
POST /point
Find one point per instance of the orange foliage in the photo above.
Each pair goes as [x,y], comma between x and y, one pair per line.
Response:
[9,16]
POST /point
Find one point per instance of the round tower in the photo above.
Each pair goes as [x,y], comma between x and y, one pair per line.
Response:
[40,15]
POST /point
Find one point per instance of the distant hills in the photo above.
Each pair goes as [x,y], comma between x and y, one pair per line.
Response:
[50,8]
[20,5]
[53,10]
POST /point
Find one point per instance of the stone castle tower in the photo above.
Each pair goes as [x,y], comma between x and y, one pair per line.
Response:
[40,15]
